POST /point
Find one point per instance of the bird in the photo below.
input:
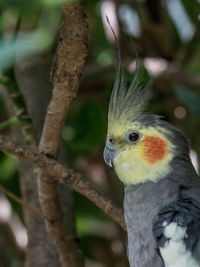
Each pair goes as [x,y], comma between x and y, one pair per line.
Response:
[161,186]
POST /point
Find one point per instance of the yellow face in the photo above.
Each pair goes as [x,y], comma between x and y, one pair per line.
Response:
[143,153]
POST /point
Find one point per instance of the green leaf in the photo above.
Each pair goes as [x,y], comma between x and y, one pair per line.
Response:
[8,166]
[189,98]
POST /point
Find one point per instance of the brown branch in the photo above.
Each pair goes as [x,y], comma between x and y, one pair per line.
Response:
[40,248]
[66,72]
[67,68]
[86,188]
[66,176]
[21,202]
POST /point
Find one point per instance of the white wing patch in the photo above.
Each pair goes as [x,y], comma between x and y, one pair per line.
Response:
[174,252]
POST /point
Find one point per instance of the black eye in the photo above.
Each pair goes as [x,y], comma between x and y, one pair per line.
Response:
[133,136]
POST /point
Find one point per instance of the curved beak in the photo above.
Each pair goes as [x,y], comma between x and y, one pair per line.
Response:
[109,154]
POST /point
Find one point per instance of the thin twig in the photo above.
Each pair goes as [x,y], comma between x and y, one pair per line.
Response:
[86,188]
[9,81]
[22,203]
[66,176]
[9,122]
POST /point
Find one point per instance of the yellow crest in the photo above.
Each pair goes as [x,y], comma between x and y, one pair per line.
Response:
[127,102]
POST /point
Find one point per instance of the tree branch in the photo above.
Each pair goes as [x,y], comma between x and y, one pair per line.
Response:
[66,72]
[40,251]
[65,176]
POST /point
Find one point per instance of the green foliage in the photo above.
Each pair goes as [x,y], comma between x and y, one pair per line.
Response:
[87,244]
[192,10]
[31,6]
[105,57]
[92,211]
[8,166]
[9,178]
[2,104]
[86,125]
[14,47]
[189,98]
[8,122]
[55,2]
[21,5]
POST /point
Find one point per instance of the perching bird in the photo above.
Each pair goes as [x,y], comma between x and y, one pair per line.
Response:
[162,188]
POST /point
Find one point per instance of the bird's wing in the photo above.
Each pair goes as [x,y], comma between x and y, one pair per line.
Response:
[177,230]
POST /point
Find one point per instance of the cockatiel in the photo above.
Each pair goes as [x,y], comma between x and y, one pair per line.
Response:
[162,188]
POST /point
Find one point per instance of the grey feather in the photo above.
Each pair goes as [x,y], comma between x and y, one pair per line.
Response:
[147,205]
[143,202]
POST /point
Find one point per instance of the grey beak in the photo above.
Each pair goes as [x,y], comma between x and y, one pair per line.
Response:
[109,154]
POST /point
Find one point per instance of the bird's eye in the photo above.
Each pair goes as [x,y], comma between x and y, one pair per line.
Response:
[133,137]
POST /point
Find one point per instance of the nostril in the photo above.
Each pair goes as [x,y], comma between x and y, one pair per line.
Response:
[111,140]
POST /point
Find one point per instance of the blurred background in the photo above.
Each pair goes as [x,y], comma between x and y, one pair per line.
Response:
[165,33]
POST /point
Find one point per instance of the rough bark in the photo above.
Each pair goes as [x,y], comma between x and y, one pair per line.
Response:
[67,69]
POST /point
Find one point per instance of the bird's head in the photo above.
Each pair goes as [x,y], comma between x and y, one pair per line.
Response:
[139,146]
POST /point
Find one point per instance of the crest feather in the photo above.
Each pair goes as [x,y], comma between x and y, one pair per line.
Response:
[128,102]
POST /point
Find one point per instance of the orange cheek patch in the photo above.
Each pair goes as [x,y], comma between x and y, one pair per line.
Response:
[155,149]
